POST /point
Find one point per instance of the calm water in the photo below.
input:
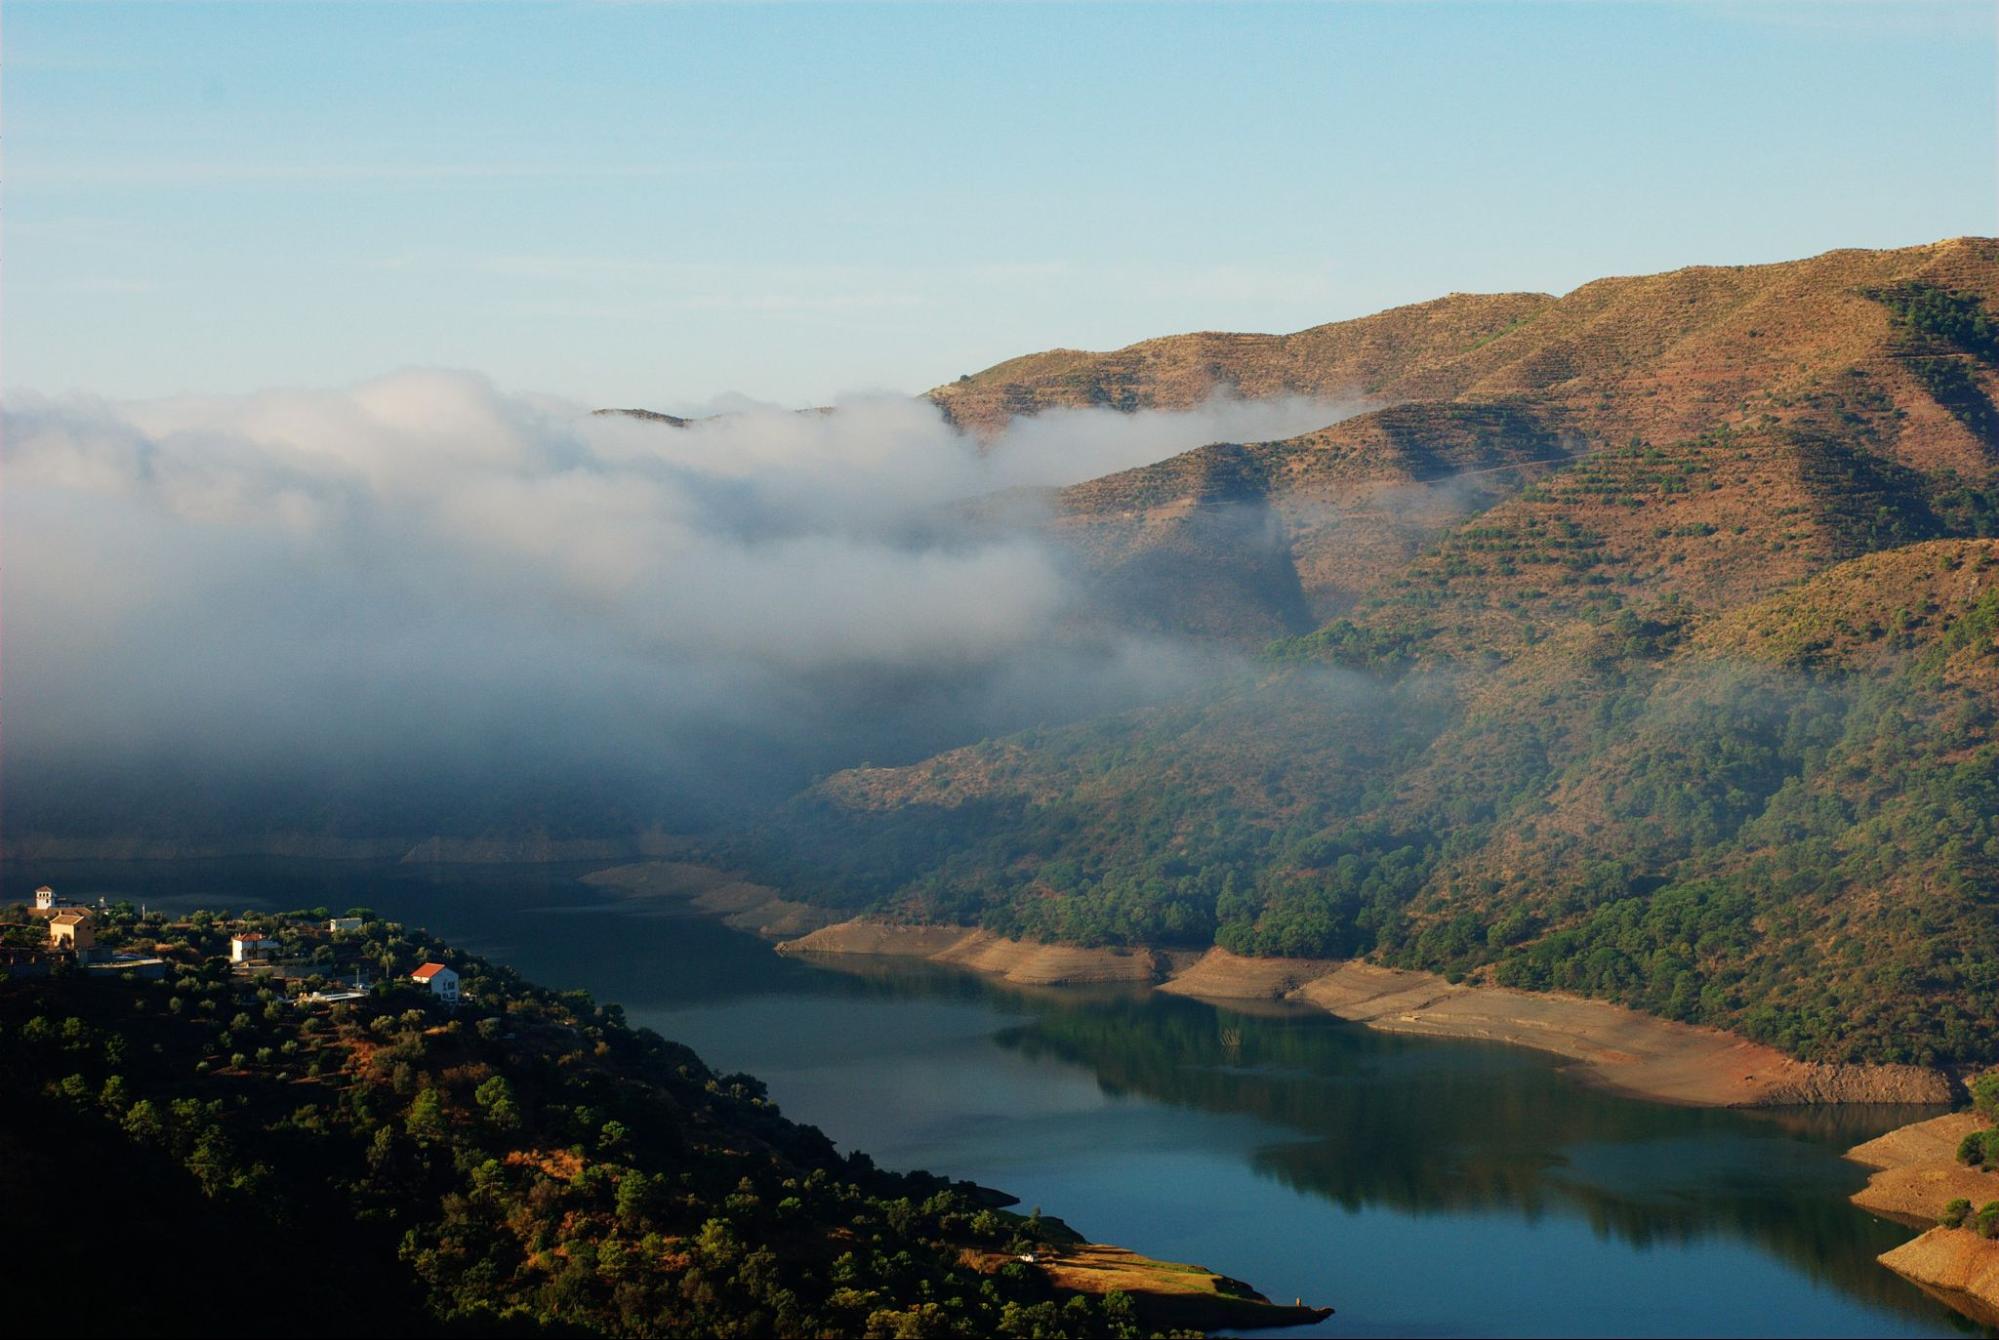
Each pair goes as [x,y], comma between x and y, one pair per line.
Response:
[1420,1187]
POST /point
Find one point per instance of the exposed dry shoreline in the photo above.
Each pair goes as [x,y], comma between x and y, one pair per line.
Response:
[1917,1172]
[1618,1048]
[756,908]
[1916,1169]
[1917,1175]
[1165,1294]
[1615,1047]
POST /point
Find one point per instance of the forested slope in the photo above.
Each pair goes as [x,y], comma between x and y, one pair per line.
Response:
[211,1153]
[1680,690]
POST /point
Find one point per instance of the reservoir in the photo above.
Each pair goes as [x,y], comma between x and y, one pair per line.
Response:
[1421,1187]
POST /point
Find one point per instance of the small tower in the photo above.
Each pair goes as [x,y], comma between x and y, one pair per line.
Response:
[45,899]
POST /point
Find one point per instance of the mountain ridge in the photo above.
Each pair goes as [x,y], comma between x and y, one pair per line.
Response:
[1541,734]
[1805,356]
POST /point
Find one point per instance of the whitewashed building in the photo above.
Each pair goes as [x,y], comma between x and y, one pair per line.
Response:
[251,946]
[443,982]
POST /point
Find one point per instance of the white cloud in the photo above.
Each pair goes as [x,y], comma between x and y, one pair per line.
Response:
[363,586]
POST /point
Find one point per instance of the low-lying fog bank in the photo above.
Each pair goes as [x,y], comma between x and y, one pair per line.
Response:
[422,605]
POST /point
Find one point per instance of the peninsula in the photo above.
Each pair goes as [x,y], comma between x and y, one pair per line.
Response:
[403,1136]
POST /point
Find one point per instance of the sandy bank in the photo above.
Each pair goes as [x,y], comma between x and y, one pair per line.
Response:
[1619,1048]
[1165,1294]
[1019,961]
[1932,1141]
[1917,1175]
[1917,1172]
[756,908]
[1623,1049]
[1052,965]
[865,936]
[1221,975]
[1955,1266]
[1616,1047]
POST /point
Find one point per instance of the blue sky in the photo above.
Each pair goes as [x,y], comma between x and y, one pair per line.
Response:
[655,204]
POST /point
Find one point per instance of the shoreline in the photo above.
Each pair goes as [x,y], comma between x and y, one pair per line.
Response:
[1607,1045]
[707,891]
[1164,1294]
[1916,1174]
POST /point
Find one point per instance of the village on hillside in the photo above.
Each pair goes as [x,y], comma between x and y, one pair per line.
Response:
[309,956]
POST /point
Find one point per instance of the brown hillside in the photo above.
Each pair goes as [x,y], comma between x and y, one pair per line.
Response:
[1370,356]
[1192,545]
[1701,342]
[1658,664]
[1742,427]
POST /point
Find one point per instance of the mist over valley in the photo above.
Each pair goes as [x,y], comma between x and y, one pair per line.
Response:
[1411,722]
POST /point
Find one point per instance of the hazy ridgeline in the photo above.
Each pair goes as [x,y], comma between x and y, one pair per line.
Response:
[424,605]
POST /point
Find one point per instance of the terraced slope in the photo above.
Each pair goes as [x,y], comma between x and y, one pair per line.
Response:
[1800,394]
[1701,342]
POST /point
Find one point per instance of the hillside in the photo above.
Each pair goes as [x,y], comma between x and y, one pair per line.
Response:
[1395,354]
[216,1147]
[1694,343]
[1840,404]
[1652,657]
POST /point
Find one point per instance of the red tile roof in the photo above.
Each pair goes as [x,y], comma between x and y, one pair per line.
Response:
[250,938]
[428,971]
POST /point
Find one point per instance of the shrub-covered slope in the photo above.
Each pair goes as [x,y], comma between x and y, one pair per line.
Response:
[1685,699]
[1858,386]
[207,1154]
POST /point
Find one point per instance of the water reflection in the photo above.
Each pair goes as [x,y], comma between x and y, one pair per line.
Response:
[1074,1094]
[1439,1129]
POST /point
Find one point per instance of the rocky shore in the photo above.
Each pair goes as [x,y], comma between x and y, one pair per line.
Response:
[1916,1175]
[1618,1048]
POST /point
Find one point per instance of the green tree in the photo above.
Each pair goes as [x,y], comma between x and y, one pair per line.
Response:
[425,1121]
[637,1194]
[496,1102]
[1987,1222]
[144,1125]
[1985,1096]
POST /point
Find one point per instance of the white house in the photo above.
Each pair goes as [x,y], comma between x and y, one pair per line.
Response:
[250,946]
[443,982]
[339,924]
[45,899]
